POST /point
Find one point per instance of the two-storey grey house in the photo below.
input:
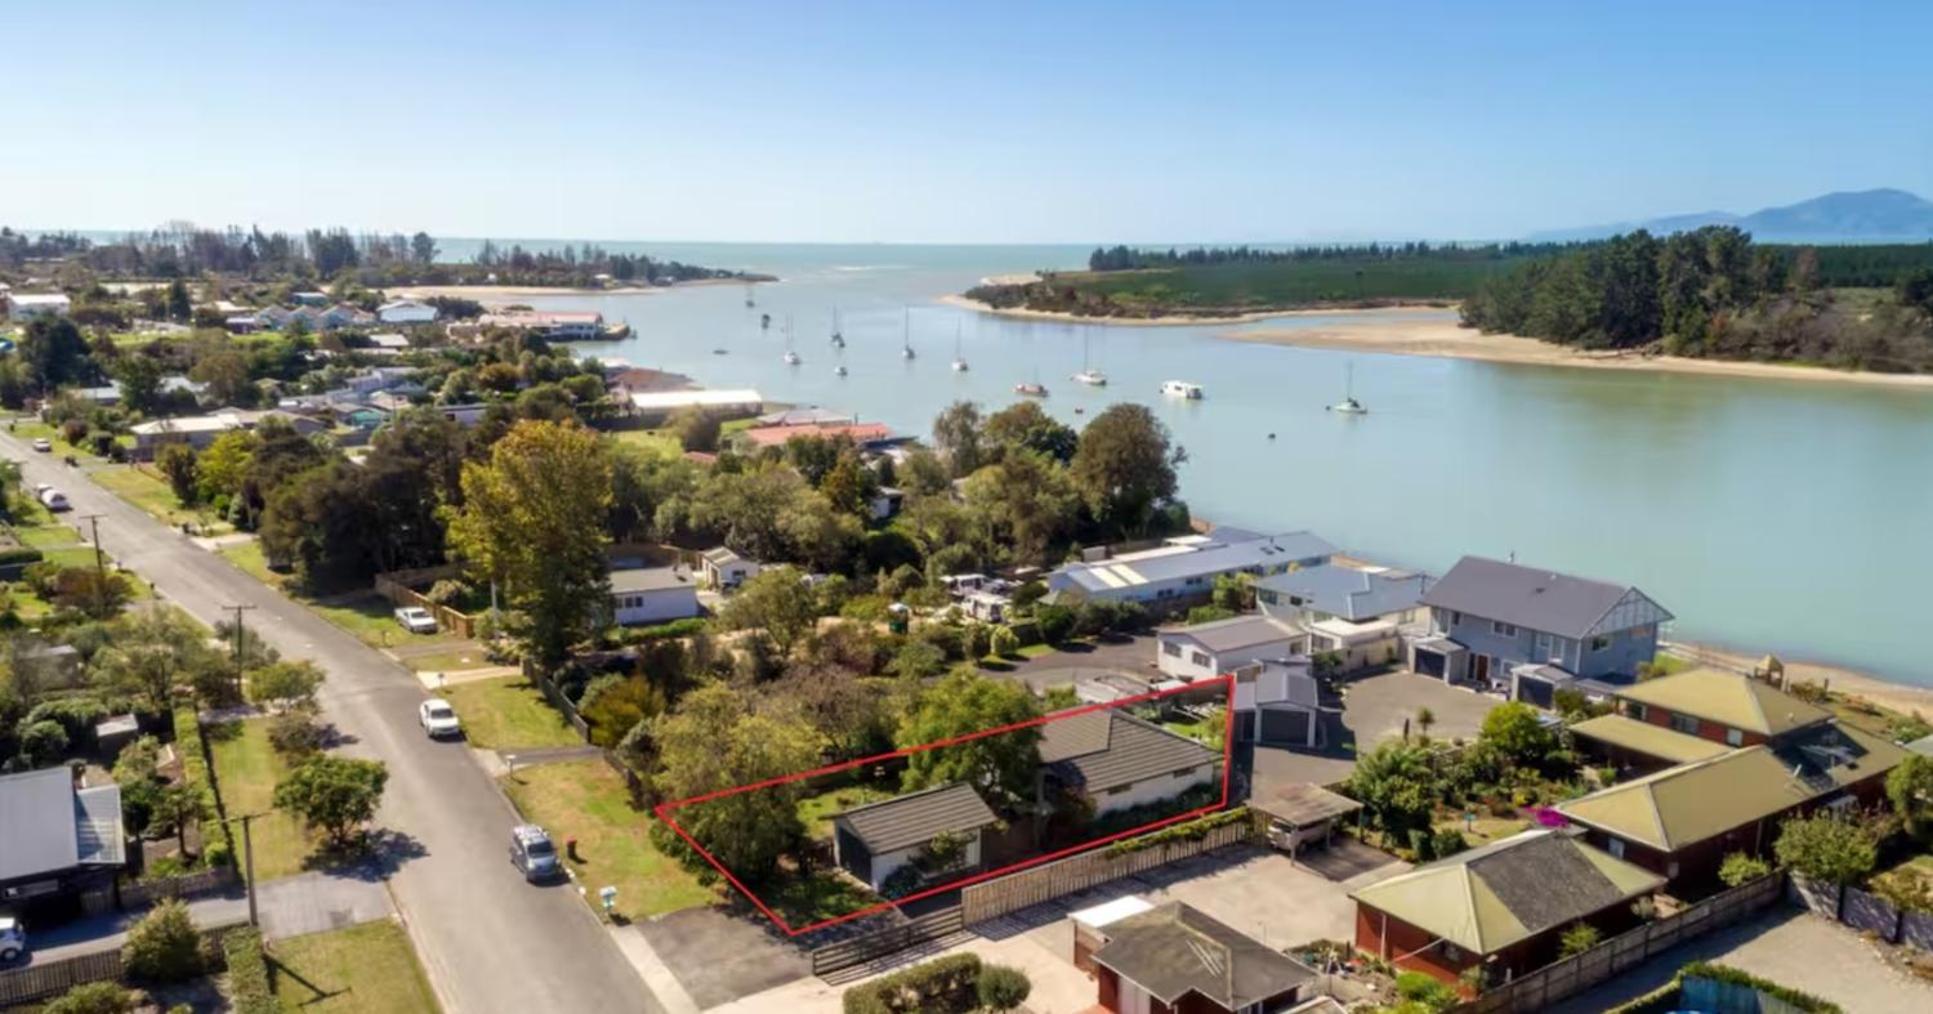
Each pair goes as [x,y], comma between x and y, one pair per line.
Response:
[1500,625]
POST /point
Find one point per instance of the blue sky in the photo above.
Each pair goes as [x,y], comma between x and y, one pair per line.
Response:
[938,122]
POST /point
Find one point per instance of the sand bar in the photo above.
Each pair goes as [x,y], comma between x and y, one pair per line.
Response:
[1178,320]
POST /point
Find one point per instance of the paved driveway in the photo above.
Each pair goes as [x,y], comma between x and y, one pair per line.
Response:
[1368,711]
[719,957]
[1062,668]
[1789,947]
[489,941]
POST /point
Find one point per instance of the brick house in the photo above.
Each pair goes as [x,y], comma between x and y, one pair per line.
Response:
[1692,716]
[1503,906]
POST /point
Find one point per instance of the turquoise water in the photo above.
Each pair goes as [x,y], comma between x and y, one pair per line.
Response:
[1768,515]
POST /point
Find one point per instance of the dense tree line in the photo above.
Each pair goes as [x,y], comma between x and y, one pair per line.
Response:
[1711,292]
[1124,258]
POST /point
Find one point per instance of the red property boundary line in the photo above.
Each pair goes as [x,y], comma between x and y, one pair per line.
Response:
[663,810]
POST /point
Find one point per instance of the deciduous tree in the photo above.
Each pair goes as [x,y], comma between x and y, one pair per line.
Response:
[1003,765]
[1125,466]
[334,794]
[711,741]
[777,602]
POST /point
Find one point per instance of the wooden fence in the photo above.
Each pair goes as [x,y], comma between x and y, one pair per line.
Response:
[46,979]
[1864,911]
[994,898]
[859,950]
[399,587]
[1541,989]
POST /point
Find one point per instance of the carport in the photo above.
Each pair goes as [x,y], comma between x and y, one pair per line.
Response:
[1301,815]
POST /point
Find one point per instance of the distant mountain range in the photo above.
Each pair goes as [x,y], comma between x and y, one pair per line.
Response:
[1862,216]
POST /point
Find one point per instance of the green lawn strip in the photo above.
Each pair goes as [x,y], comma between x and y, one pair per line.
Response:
[47,536]
[247,768]
[586,800]
[469,655]
[247,556]
[663,441]
[373,620]
[508,713]
[366,969]
[152,494]
[824,895]
[817,811]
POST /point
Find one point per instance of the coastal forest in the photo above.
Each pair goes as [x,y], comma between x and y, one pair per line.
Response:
[1713,293]
[322,256]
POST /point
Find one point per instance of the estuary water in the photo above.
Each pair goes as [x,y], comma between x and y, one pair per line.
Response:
[1787,516]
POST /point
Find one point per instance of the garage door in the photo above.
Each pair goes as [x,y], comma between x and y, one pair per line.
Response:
[1429,663]
[1285,726]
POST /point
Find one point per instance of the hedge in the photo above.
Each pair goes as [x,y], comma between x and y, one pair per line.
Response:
[11,556]
[946,986]
[1193,830]
[1727,974]
[663,631]
[248,982]
[193,751]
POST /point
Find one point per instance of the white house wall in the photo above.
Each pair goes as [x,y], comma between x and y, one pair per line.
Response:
[1185,667]
[657,606]
[885,863]
[1154,790]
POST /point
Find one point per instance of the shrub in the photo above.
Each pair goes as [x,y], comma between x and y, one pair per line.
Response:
[43,743]
[1448,842]
[1055,623]
[164,946]
[447,592]
[248,982]
[1002,988]
[1003,642]
[93,998]
[1425,991]
[1827,847]
[1740,868]
[295,734]
[946,986]
[1579,938]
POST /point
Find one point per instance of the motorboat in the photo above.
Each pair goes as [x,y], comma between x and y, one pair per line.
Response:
[792,358]
[1181,389]
[1030,389]
[839,371]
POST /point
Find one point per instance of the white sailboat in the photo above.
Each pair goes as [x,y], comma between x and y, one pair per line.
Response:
[791,357]
[1349,405]
[906,337]
[959,360]
[1088,375]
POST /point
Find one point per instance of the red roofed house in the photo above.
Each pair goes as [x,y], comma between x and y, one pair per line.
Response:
[861,434]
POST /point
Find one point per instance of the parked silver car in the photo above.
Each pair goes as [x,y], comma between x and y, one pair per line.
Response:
[13,938]
[532,853]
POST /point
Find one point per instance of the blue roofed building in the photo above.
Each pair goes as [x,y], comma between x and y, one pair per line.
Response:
[1359,613]
[1181,571]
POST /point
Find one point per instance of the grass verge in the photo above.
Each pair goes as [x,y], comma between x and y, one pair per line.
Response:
[247,768]
[587,801]
[508,713]
[366,969]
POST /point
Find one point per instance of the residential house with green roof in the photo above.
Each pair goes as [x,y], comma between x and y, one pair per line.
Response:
[1503,907]
[1693,716]
[1681,822]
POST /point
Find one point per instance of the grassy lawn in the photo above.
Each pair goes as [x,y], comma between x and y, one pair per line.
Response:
[817,811]
[368,969]
[824,895]
[373,620]
[464,655]
[662,440]
[1485,829]
[152,494]
[508,713]
[247,556]
[246,769]
[1210,730]
[587,801]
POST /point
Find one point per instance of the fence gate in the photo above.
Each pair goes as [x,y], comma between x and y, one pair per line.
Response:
[891,940]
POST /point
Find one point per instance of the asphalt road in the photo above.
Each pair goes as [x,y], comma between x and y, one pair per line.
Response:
[489,941]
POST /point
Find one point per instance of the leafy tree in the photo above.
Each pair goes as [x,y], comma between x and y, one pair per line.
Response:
[151,652]
[1516,732]
[924,474]
[140,380]
[43,743]
[1827,847]
[614,705]
[776,601]
[1003,642]
[221,468]
[285,683]
[696,428]
[177,462]
[846,709]
[711,741]
[1397,787]
[225,371]
[164,946]
[1055,622]
[918,660]
[1026,502]
[336,794]
[179,806]
[1026,427]
[532,519]
[1002,988]
[1909,786]
[849,486]
[423,248]
[956,434]
[1125,466]
[54,352]
[1003,765]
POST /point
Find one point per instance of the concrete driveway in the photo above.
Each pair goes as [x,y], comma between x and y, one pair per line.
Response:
[1367,711]
[447,821]
[1787,946]
[1133,655]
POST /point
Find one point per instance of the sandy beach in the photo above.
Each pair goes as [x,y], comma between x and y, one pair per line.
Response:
[1902,697]
[1443,338]
[487,294]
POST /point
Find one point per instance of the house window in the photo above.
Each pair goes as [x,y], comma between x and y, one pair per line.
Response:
[1118,789]
[1734,737]
[1634,710]
[1201,658]
[1171,649]
[1267,596]
[1502,629]
[1456,618]
[1684,723]
[1452,954]
[1600,643]
[1615,846]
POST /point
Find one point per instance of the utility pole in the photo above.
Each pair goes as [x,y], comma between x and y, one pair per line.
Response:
[248,864]
[100,564]
[238,610]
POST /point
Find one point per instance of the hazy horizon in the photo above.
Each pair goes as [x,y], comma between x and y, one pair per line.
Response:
[1000,125]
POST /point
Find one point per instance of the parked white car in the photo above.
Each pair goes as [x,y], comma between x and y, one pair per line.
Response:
[54,500]
[43,445]
[416,620]
[13,938]
[438,718]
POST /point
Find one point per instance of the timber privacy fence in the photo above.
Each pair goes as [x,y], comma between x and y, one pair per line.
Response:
[1540,989]
[994,898]
[42,980]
